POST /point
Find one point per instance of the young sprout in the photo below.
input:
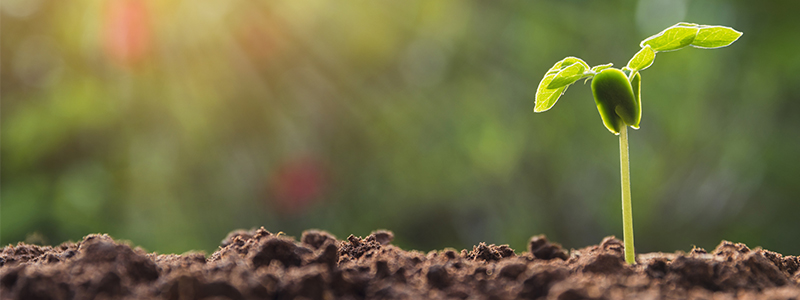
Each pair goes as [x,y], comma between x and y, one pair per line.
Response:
[617,92]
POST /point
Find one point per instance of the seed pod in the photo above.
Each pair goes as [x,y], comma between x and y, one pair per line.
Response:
[615,99]
[636,84]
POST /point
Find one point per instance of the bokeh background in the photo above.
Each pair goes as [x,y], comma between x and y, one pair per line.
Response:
[171,123]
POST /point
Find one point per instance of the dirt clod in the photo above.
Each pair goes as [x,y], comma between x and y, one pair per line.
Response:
[490,252]
[278,249]
[317,238]
[542,249]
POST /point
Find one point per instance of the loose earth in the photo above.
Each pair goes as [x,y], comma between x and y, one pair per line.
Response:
[257,264]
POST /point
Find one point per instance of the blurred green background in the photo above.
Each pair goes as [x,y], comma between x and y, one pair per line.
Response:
[171,123]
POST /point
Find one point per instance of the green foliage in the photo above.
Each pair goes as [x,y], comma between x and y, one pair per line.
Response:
[672,38]
[563,73]
[689,34]
[712,37]
[617,103]
[642,59]
[568,75]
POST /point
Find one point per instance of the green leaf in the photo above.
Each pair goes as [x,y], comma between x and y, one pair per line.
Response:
[567,76]
[673,38]
[566,62]
[546,97]
[642,59]
[598,68]
[711,37]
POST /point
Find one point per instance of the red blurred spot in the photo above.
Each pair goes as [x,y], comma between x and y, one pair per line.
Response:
[297,184]
[126,31]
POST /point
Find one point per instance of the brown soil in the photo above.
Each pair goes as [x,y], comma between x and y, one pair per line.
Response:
[259,265]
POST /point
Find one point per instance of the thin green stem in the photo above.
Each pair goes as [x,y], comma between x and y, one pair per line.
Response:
[627,213]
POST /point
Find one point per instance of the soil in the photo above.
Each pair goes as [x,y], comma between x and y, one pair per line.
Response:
[257,264]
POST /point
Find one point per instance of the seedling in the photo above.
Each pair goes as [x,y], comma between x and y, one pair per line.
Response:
[617,92]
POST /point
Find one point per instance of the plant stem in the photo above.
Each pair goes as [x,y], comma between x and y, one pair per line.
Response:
[627,211]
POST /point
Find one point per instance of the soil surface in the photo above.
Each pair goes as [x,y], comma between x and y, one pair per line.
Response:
[257,264]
